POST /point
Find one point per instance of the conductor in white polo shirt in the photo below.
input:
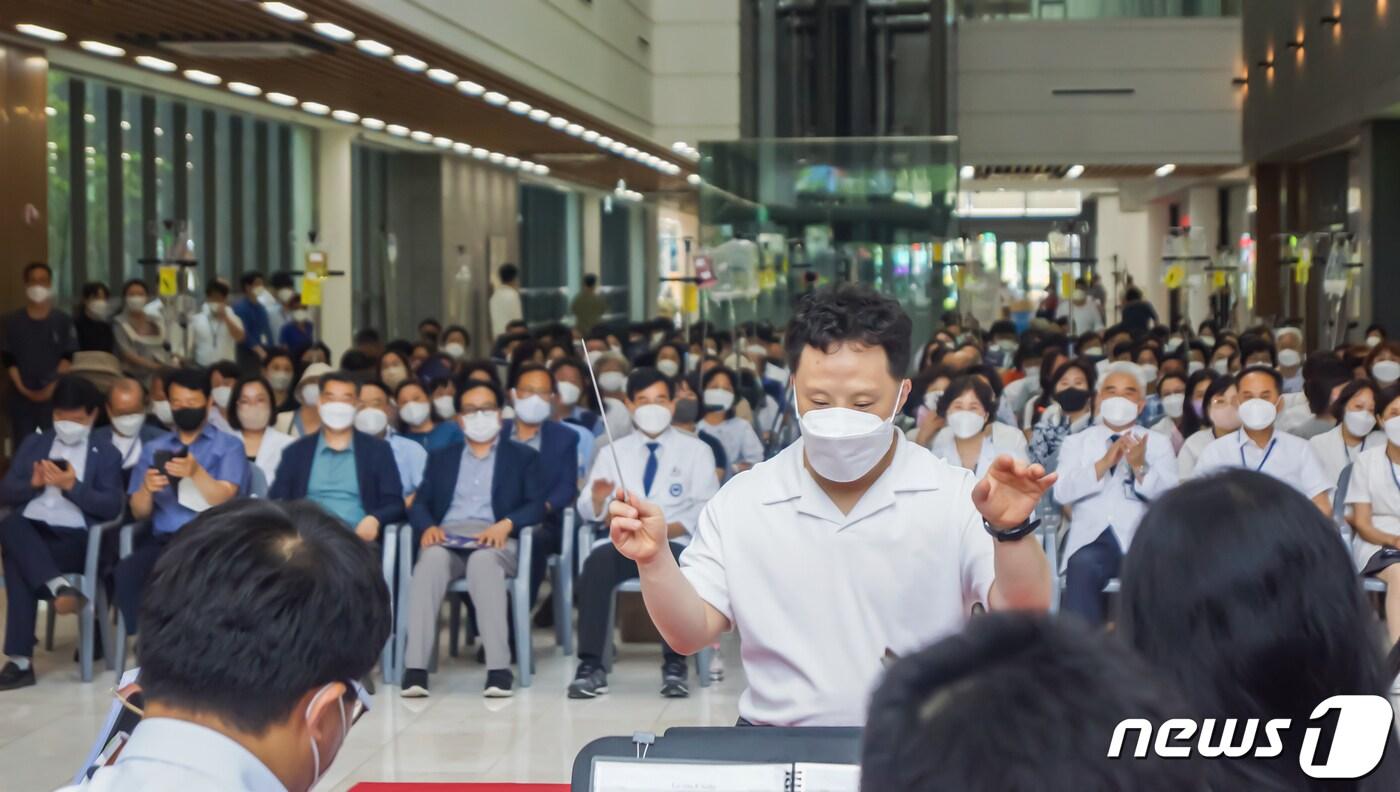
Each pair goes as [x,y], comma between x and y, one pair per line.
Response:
[851,543]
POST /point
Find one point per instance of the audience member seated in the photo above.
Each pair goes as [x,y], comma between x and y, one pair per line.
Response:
[742,447]
[611,369]
[216,329]
[1289,341]
[60,484]
[180,475]
[669,468]
[250,419]
[1374,496]
[1260,447]
[416,419]
[223,375]
[971,439]
[279,369]
[161,418]
[480,493]
[1108,474]
[443,391]
[1061,688]
[1356,431]
[1324,376]
[257,627]
[90,319]
[348,473]
[128,430]
[372,416]
[1383,363]
[573,383]
[1272,623]
[1171,395]
[685,419]
[1220,416]
[1070,411]
[306,419]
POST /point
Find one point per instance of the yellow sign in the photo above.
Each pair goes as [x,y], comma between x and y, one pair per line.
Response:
[690,298]
[311,289]
[169,281]
[961,277]
[1218,279]
[1066,284]
[1176,276]
[316,262]
[1303,268]
[767,279]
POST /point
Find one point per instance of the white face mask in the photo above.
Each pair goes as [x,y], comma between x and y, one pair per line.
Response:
[1173,344]
[1258,414]
[285,295]
[482,427]
[568,393]
[718,399]
[842,444]
[593,355]
[1288,358]
[70,432]
[301,316]
[532,409]
[1194,366]
[1392,430]
[38,294]
[161,410]
[1174,404]
[1373,341]
[612,381]
[336,415]
[445,406]
[1359,423]
[931,399]
[965,423]
[1209,341]
[455,350]
[128,425]
[651,419]
[136,303]
[1118,412]
[98,308]
[311,394]
[371,420]
[414,413]
[393,375]
[221,395]
[1221,365]
[668,367]
[1093,351]
[280,380]
[254,417]
[1385,371]
[1149,371]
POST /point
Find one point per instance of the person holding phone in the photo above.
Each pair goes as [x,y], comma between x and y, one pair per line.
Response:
[180,475]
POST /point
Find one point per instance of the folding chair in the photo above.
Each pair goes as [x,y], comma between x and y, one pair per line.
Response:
[561,579]
[90,584]
[126,543]
[389,670]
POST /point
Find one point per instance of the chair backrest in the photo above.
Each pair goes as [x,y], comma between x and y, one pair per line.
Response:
[257,485]
[1339,498]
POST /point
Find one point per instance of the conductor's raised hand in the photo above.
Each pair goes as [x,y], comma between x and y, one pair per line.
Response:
[637,527]
[1008,494]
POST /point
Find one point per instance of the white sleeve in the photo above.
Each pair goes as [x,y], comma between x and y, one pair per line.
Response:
[1311,480]
[702,486]
[603,469]
[1161,467]
[1359,489]
[702,563]
[750,447]
[1078,479]
[1210,461]
[977,557]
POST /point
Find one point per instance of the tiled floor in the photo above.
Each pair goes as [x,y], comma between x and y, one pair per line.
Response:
[456,735]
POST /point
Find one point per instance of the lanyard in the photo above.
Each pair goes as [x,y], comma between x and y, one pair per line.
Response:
[1263,461]
[1393,477]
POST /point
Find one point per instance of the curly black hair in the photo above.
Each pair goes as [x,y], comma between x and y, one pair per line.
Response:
[828,317]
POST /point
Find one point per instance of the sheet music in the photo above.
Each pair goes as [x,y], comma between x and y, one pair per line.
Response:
[659,775]
[826,778]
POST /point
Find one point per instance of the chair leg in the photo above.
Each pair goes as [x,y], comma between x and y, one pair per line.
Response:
[564,608]
[103,614]
[49,618]
[520,609]
[702,665]
[85,625]
[119,653]
[437,638]
[454,622]
[610,643]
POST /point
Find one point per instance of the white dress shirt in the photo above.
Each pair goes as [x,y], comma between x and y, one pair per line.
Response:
[277,315]
[1286,457]
[740,441]
[1004,440]
[128,447]
[270,452]
[1334,454]
[1116,501]
[51,507]
[505,308]
[1190,452]
[213,340]
[1374,480]
[818,596]
[169,755]
[685,476]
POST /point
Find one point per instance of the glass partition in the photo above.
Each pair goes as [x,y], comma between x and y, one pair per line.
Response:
[1096,9]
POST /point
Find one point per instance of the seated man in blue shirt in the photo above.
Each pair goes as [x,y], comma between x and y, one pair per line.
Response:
[256,328]
[348,473]
[372,416]
[485,489]
[60,484]
[180,475]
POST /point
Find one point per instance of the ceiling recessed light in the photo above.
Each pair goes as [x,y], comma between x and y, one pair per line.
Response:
[397,129]
[518,107]
[512,162]
[41,32]
[52,111]
[89,118]
[1074,172]
[411,63]
[202,77]
[333,31]
[480,153]
[967,172]
[443,142]
[539,116]
[372,123]
[101,48]
[496,157]
[126,126]
[315,108]
[1166,170]
[345,115]
[289,13]
[694,179]
[244,89]
[285,100]
[574,129]
[589,136]
[375,48]
[157,64]
[442,76]
[630,152]
[680,146]
[541,170]
[495,98]
[461,148]
[558,122]
[421,136]
[471,88]
[604,141]
[617,147]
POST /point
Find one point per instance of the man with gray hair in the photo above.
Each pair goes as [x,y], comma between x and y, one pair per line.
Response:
[128,429]
[1108,474]
[1289,342]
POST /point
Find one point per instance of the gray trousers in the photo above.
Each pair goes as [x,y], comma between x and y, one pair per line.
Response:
[486,571]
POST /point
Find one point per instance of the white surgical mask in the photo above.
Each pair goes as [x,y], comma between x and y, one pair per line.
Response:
[1373,341]
[568,393]
[668,367]
[594,355]
[414,413]
[842,444]
[336,415]
[221,395]
[718,398]
[1392,430]
[371,420]
[136,303]
[612,381]
[1288,358]
[280,380]
[1258,414]
[285,295]
[756,350]
[455,350]
[254,417]
[1149,371]
[1093,351]
[445,406]
[931,399]
[311,394]
[393,375]
[1359,423]
[1225,417]
[1209,341]
[98,308]
[1385,371]
[1173,344]
[1194,366]
[1221,365]
[965,423]
[301,316]
[38,294]
[532,409]
[1174,404]
[482,427]
[651,419]
[161,410]
[1118,412]
[128,425]
[71,432]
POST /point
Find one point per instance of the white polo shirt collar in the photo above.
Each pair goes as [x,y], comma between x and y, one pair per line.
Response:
[794,482]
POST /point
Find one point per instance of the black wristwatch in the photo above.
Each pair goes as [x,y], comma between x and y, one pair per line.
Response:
[1011,534]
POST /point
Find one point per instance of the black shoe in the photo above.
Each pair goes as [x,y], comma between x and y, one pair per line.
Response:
[415,683]
[11,678]
[544,618]
[591,681]
[68,601]
[499,684]
[673,680]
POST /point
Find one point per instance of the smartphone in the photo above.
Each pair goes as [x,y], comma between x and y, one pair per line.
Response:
[61,464]
[162,457]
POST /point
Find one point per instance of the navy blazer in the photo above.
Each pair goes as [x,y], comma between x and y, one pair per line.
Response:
[517,490]
[99,494]
[381,489]
[558,466]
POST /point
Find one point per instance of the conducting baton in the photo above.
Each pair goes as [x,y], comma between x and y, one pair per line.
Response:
[612,443]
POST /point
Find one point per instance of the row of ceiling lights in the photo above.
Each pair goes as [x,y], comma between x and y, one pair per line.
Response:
[968,172]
